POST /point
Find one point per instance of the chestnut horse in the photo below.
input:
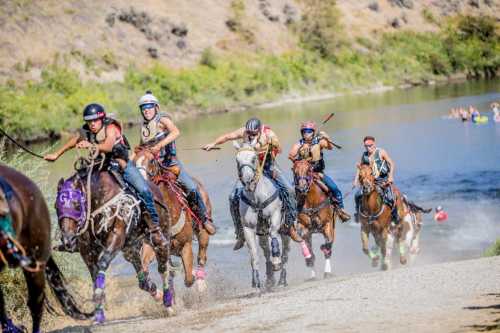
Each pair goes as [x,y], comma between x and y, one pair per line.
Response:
[316,216]
[375,217]
[25,204]
[183,221]
[116,224]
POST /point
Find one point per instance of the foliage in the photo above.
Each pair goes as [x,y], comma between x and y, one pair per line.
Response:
[493,250]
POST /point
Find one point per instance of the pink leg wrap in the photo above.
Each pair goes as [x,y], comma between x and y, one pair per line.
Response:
[200,273]
[305,250]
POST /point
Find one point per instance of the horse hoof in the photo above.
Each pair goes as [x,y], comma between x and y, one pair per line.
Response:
[270,282]
[99,317]
[385,266]
[415,250]
[201,285]
[170,312]
[403,260]
[168,298]
[327,275]
[158,296]
[375,262]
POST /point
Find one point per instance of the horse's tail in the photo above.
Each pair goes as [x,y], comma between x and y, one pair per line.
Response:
[414,208]
[58,284]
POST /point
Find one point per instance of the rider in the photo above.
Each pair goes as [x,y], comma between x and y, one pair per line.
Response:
[266,142]
[159,132]
[105,134]
[383,169]
[311,147]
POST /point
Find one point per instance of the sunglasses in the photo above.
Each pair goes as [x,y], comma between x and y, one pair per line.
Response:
[369,146]
[307,131]
[147,106]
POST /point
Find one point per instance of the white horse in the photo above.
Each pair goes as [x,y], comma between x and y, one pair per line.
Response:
[260,211]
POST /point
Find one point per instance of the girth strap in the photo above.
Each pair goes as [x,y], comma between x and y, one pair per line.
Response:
[263,205]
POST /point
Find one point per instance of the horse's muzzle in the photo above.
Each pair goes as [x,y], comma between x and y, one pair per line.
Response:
[69,242]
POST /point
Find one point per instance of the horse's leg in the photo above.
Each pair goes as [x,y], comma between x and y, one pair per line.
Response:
[36,296]
[374,253]
[115,242]
[415,243]
[187,262]
[405,238]
[275,244]
[311,259]
[328,233]
[386,245]
[264,245]
[7,324]
[200,274]
[134,254]
[250,240]
[285,242]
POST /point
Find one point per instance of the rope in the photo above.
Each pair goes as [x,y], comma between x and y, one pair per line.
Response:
[20,145]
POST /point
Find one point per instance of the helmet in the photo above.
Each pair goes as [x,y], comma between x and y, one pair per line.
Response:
[148,98]
[253,125]
[310,125]
[94,111]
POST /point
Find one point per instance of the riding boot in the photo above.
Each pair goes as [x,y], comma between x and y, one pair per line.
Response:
[357,202]
[196,203]
[234,208]
[336,198]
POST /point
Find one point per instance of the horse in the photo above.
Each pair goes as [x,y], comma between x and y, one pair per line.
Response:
[260,210]
[184,221]
[316,216]
[375,218]
[31,222]
[109,221]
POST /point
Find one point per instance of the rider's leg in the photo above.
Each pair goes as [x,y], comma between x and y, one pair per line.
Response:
[390,200]
[195,200]
[234,208]
[134,178]
[286,194]
[337,196]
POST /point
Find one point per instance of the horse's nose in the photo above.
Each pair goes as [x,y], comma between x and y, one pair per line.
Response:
[69,242]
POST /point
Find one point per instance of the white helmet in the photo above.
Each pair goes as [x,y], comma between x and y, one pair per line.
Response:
[149,98]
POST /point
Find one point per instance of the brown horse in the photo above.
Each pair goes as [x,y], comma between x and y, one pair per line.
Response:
[184,223]
[115,224]
[375,217]
[316,216]
[31,221]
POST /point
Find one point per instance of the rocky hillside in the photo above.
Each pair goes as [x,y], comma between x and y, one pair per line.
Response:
[100,39]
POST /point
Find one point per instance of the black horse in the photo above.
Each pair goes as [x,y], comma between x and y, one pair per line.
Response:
[31,221]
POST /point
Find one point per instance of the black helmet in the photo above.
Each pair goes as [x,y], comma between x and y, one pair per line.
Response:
[253,125]
[93,111]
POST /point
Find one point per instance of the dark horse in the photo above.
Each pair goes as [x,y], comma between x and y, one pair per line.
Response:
[317,214]
[184,222]
[115,223]
[31,222]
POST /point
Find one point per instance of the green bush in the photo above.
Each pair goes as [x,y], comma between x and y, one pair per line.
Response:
[493,250]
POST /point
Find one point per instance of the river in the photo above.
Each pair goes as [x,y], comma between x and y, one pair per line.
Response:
[438,162]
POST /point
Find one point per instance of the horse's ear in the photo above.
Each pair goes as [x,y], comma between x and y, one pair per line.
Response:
[60,183]
[236,145]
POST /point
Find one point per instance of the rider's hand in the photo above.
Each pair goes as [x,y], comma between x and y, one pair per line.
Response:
[83,144]
[155,149]
[209,146]
[51,157]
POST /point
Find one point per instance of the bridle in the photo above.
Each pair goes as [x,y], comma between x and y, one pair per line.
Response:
[308,178]
[256,171]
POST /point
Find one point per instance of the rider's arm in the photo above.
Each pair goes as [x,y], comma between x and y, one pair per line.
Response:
[173,132]
[275,143]
[235,135]
[325,141]
[355,182]
[390,162]
[67,146]
[292,155]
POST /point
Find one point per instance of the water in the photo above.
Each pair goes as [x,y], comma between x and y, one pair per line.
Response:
[438,162]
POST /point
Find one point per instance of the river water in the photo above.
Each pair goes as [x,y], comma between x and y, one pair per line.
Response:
[438,162]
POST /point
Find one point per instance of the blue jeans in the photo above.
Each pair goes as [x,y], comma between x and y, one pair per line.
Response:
[193,195]
[334,189]
[134,178]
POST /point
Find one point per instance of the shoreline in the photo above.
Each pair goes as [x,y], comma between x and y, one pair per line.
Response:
[289,98]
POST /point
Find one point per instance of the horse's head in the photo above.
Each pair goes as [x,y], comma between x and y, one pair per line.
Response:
[247,162]
[142,158]
[303,175]
[366,179]
[71,211]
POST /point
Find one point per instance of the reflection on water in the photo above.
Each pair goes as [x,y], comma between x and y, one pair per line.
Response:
[438,161]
